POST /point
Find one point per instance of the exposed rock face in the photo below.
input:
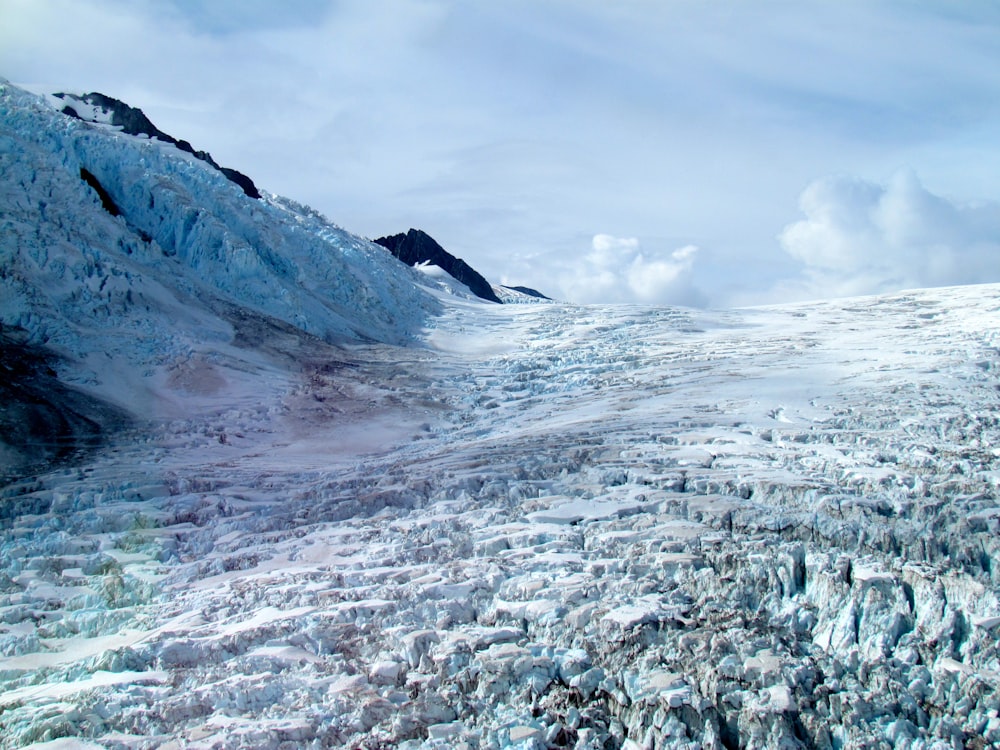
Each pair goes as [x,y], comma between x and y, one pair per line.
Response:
[419,247]
[529,291]
[42,420]
[134,122]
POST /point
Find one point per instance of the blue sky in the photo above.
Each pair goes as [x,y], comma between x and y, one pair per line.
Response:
[675,152]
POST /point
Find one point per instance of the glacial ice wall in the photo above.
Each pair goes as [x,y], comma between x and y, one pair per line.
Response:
[71,268]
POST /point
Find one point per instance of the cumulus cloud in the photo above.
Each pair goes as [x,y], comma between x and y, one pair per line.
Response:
[619,269]
[861,237]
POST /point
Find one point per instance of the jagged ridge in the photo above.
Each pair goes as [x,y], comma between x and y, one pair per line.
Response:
[419,247]
[528,291]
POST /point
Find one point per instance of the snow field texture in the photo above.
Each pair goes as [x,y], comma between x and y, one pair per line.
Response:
[362,511]
[629,527]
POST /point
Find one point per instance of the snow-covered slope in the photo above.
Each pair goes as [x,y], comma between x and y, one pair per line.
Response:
[383,515]
[610,527]
[190,289]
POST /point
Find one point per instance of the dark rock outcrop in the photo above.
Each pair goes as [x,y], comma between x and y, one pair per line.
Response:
[419,247]
[106,200]
[134,122]
[529,291]
[42,420]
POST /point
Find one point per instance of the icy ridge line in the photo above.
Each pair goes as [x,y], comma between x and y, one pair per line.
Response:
[100,108]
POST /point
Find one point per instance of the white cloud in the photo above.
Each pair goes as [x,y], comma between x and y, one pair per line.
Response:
[618,269]
[861,237]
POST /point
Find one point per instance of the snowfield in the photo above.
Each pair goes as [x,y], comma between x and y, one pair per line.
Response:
[516,526]
[550,526]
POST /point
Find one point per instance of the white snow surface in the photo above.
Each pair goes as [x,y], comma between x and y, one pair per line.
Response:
[380,515]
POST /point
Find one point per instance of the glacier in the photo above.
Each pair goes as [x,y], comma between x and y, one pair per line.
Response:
[352,507]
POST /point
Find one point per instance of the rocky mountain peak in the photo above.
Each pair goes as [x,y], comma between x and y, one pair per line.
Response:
[417,246]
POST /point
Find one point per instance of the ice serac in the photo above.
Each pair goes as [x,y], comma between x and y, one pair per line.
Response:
[417,246]
[631,528]
[150,285]
[97,107]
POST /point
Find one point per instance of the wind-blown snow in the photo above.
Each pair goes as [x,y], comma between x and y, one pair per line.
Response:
[533,526]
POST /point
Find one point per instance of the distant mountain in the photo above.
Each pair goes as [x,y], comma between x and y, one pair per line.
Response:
[416,247]
[519,294]
[99,108]
[529,291]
